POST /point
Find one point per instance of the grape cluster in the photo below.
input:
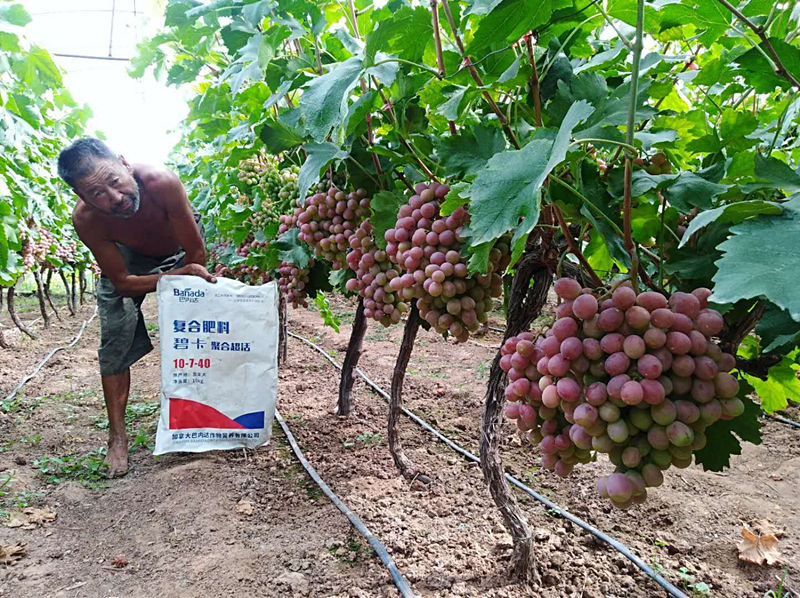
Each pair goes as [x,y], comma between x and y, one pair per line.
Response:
[374,276]
[40,245]
[427,248]
[327,220]
[251,274]
[293,282]
[276,188]
[637,377]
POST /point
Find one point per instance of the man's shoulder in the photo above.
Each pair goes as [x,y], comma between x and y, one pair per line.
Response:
[157,179]
[85,220]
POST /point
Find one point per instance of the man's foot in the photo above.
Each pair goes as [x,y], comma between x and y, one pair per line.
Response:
[117,456]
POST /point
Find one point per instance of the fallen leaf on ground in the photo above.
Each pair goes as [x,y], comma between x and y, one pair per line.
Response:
[765,528]
[758,549]
[12,552]
[244,507]
[31,518]
[119,562]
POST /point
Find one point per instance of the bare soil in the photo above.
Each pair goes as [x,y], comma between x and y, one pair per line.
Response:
[174,520]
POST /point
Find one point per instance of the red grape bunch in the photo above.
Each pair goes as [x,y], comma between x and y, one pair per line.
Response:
[374,276]
[327,220]
[427,246]
[637,377]
[293,282]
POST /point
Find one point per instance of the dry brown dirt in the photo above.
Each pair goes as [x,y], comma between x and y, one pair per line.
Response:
[174,519]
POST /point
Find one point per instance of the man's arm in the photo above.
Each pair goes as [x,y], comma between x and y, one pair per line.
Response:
[112,264]
[181,218]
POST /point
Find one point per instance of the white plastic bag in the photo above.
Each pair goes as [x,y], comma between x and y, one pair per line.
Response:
[219,363]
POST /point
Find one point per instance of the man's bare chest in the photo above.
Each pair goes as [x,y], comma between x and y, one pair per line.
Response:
[148,232]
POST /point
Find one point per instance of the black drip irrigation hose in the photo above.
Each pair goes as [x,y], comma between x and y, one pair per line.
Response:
[783,420]
[621,548]
[399,581]
[49,356]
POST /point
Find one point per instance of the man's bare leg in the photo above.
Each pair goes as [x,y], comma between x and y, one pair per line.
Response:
[115,389]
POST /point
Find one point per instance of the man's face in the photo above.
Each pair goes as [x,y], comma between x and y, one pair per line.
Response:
[111,188]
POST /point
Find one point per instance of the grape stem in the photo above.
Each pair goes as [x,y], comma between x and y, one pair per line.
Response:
[537,100]
[760,31]
[622,145]
[574,247]
[477,78]
[389,108]
[588,202]
[630,246]
[437,40]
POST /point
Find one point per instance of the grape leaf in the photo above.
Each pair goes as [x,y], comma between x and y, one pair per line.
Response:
[508,21]
[723,437]
[777,329]
[318,156]
[323,103]
[508,187]
[384,207]
[689,191]
[777,173]
[405,33]
[468,151]
[14,14]
[292,250]
[328,317]
[760,259]
[731,213]
[780,386]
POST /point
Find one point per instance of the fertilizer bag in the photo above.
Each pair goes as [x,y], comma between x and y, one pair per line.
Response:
[219,363]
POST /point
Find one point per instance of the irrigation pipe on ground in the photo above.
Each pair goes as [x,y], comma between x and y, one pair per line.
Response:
[377,546]
[49,356]
[621,548]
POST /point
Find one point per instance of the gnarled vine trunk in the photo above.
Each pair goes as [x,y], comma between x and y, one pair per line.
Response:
[68,291]
[402,462]
[48,279]
[283,331]
[40,296]
[73,296]
[528,295]
[82,282]
[12,311]
[351,357]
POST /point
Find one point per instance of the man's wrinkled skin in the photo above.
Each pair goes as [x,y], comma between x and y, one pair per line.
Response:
[144,208]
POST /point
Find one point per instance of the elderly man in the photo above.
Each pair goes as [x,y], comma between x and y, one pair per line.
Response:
[139,224]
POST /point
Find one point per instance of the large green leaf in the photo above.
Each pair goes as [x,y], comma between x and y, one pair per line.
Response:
[405,34]
[508,21]
[723,436]
[731,213]
[324,101]
[781,385]
[692,191]
[761,259]
[777,173]
[508,187]
[318,156]
[464,154]
[777,329]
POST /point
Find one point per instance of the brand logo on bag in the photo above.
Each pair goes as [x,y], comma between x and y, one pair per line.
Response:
[188,295]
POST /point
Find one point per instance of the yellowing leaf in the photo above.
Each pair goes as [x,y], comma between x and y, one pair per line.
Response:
[244,507]
[758,549]
[12,552]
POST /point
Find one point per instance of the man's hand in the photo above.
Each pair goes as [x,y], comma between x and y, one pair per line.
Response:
[194,270]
